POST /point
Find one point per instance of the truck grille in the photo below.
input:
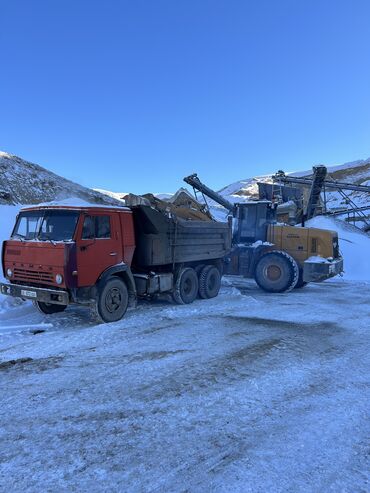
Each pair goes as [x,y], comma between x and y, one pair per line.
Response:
[33,276]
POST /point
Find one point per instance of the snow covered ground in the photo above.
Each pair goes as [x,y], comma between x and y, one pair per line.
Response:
[248,392]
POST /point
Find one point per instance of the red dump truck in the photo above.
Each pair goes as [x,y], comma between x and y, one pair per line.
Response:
[107,257]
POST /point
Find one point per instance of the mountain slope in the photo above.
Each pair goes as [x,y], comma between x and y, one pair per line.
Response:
[22,182]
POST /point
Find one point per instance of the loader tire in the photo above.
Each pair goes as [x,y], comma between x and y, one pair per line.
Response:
[209,282]
[276,272]
[300,283]
[49,308]
[112,301]
[186,286]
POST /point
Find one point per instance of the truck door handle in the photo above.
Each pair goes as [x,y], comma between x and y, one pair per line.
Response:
[113,254]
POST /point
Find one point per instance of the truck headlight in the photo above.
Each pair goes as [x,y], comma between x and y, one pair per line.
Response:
[59,279]
[9,272]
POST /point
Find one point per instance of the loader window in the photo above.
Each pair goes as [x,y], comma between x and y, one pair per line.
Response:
[96,227]
[248,223]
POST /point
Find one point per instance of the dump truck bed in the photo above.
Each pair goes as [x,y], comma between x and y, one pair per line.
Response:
[163,240]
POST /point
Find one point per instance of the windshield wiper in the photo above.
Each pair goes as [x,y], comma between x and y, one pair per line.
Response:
[45,237]
[51,241]
[19,236]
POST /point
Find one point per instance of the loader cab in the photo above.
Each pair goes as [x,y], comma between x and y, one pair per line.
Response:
[252,219]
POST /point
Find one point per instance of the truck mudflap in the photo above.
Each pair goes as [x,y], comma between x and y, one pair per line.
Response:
[318,269]
[53,296]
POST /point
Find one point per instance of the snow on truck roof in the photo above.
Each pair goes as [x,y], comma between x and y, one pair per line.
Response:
[76,208]
[74,204]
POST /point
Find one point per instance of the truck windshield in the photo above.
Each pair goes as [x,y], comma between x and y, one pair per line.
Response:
[54,225]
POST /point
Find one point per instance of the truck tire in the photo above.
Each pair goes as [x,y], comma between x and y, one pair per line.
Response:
[276,272]
[49,308]
[300,283]
[209,282]
[186,286]
[199,268]
[112,301]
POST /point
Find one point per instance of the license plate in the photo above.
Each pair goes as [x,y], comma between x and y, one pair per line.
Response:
[28,294]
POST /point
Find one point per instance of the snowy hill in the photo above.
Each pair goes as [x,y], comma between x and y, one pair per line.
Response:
[22,182]
[121,195]
[114,195]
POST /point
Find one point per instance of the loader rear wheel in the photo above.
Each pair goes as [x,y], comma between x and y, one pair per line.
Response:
[49,308]
[276,272]
[186,287]
[112,301]
[209,282]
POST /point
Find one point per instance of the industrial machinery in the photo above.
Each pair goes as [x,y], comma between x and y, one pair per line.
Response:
[317,184]
[279,257]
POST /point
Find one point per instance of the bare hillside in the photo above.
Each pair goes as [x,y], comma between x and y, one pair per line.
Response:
[22,182]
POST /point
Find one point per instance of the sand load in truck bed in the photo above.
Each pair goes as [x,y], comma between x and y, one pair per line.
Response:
[164,238]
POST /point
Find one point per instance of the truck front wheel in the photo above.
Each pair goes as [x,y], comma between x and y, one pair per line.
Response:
[276,272]
[209,282]
[186,287]
[49,308]
[112,301]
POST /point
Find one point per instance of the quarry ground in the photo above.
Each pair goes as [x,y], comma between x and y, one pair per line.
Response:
[248,392]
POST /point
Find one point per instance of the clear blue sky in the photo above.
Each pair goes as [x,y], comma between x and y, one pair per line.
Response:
[134,95]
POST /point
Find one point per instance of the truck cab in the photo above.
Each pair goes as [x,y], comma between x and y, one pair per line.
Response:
[58,255]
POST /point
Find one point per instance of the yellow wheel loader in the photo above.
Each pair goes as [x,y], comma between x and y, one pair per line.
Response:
[278,256]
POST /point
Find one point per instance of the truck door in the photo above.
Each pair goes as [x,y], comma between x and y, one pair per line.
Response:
[98,246]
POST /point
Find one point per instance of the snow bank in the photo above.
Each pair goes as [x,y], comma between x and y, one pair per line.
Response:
[354,246]
[7,219]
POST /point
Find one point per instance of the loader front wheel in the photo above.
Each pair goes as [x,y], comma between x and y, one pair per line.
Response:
[209,282]
[186,287]
[276,272]
[300,283]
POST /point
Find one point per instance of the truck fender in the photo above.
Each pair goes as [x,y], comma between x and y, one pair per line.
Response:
[123,271]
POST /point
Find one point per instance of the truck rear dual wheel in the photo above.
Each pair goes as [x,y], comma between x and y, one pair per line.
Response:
[49,308]
[209,282]
[186,286]
[276,272]
[112,301]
